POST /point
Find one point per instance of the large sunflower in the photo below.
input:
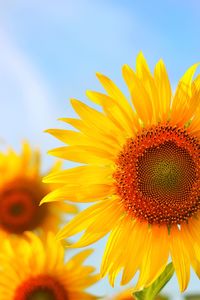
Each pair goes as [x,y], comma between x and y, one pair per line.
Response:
[35,270]
[142,167]
[21,189]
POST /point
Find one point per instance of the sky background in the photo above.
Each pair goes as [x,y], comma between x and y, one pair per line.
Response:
[50,51]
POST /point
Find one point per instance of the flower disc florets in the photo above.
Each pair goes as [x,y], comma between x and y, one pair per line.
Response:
[158,175]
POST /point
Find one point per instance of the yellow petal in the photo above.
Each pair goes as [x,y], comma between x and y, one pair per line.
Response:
[180,258]
[26,154]
[113,254]
[142,67]
[95,119]
[83,154]
[82,174]
[54,254]
[80,193]
[136,248]
[195,122]
[116,113]
[164,90]
[98,229]
[74,138]
[85,218]
[144,74]
[37,259]
[79,258]
[115,93]
[69,137]
[139,96]
[182,109]
[189,244]
[153,263]
[193,228]
[96,134]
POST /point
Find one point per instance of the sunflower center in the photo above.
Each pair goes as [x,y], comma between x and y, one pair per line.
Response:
[43,294]
[43,287]
[19,210]
[166,170]
[158,175]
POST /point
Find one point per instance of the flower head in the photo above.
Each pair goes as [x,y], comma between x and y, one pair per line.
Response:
[142,168]
[35,270]
[124,295]
[21,190]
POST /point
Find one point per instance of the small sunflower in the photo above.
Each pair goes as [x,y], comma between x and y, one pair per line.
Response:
[141,165]
[21,190]
[128,295]
[35,270]
[124,295]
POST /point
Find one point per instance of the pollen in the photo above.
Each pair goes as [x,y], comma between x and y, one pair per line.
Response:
[42,287]
[157,175]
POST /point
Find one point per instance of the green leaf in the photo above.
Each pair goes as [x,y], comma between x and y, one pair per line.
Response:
[192,297]
[161,297]
[154,289]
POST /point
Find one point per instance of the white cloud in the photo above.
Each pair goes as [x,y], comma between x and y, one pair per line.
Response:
[21,80]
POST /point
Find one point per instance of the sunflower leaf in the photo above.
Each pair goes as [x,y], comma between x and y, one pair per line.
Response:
[192,297]
[152,291]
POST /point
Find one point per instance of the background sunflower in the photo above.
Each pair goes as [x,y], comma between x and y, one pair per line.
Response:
[43,272]
[21,190]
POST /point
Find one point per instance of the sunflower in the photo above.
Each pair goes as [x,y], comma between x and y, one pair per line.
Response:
[43,273]
[21,190]
[127,295]
[124,295]
[141,165]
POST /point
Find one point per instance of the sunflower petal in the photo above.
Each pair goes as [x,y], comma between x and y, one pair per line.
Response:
[115,93]
[189,242]
[85,219]
[144,74]
[94,118]
[136,249]
[83,154]
[80,193]
[164,90]
[115,112]
[180,258]
[95,231]
[82,174]
[181,110]
[139,96]
[153,264]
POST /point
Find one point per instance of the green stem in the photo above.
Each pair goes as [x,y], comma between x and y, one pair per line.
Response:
[154,289]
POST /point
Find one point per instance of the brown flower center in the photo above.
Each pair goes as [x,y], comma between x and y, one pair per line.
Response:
[19,209]
[158,175]
[42,287]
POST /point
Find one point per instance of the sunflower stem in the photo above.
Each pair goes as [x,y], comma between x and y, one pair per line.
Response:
[154,289]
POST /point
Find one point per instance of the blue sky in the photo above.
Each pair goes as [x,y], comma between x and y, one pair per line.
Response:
[50,51]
